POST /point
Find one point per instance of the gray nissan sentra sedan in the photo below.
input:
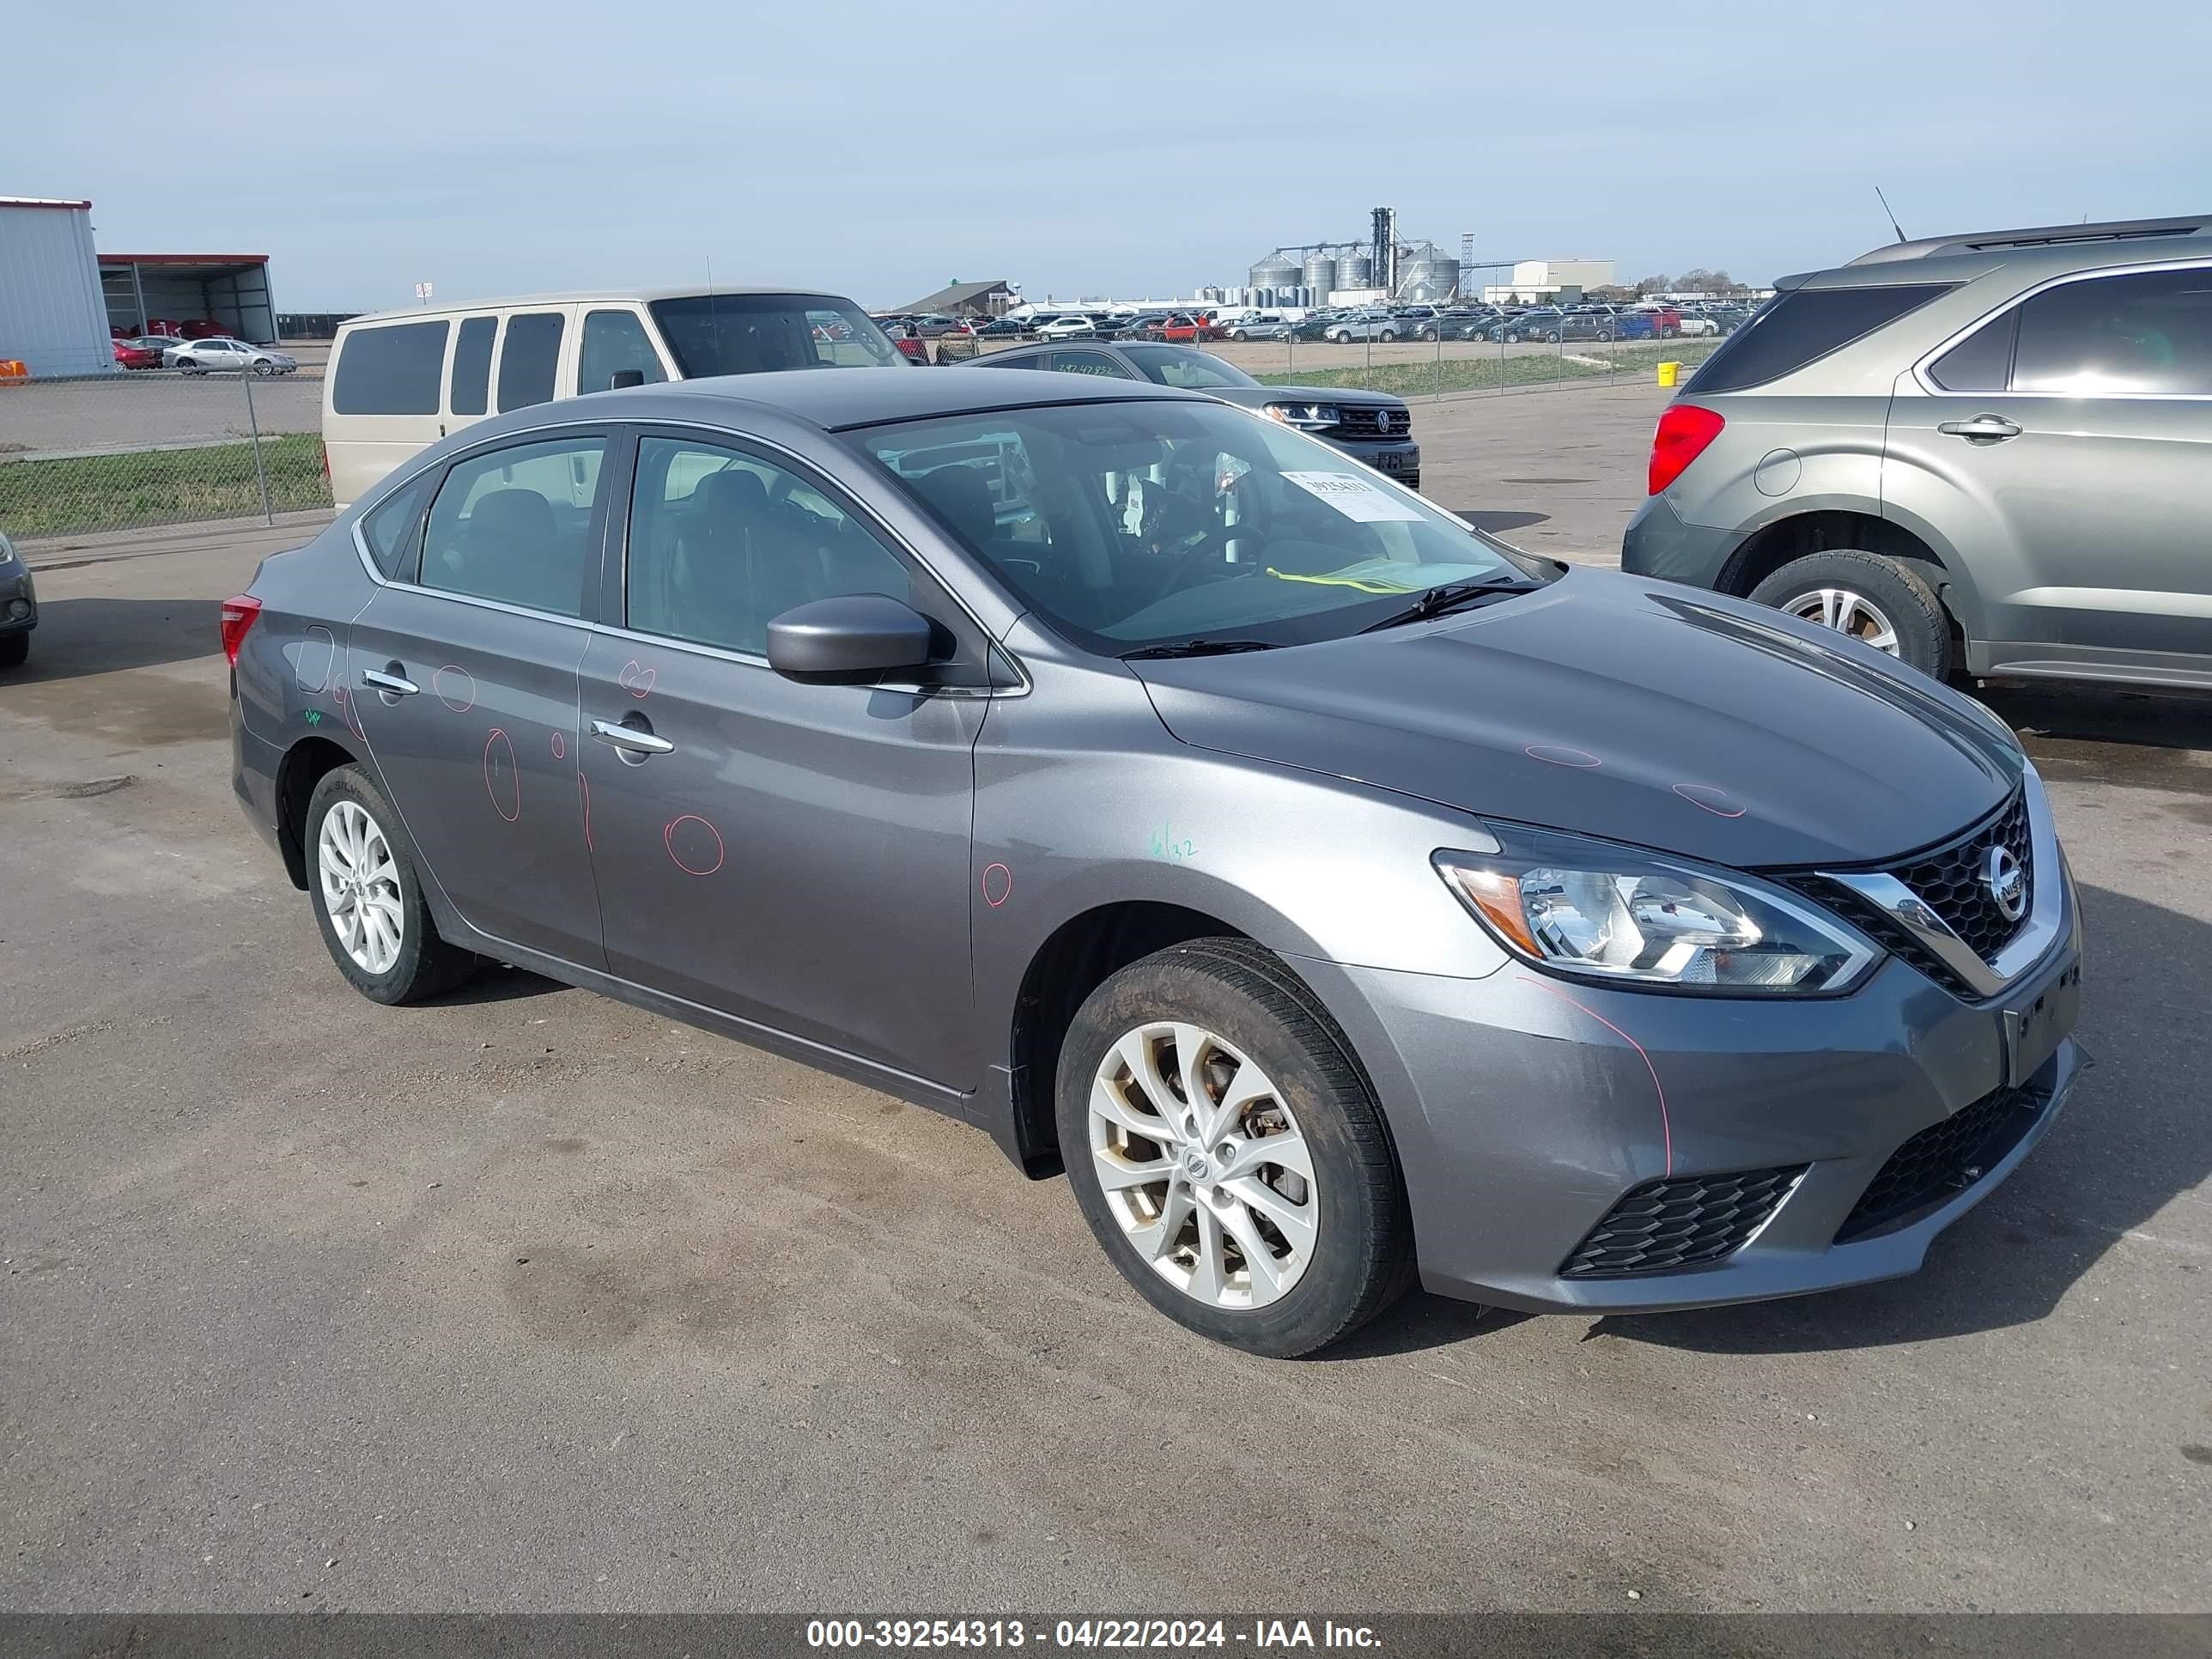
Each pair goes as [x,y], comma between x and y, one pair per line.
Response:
[1338,895]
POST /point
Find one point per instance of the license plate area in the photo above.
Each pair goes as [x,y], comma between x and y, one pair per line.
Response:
[2034,1028]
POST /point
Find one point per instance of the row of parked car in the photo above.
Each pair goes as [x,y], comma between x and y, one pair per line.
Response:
[202,356]
[1506,324]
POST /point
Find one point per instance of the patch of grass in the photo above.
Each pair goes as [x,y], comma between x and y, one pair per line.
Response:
[1494,372]
[79,492]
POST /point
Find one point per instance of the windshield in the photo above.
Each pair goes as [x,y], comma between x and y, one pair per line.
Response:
[753,333]
[1130,525]
[1185,369]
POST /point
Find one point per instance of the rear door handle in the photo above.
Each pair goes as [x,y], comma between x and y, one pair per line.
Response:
[630,739]
[1988,427]
[394,685]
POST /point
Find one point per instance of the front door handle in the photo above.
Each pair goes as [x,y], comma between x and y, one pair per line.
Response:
[630,739]
[393,685]
[1988,428]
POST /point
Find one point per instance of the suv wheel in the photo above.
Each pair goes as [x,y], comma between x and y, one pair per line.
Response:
[1877,601]
[1224,1149]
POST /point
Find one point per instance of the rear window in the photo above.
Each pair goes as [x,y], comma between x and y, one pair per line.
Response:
[758,333]
[1802,325]
[392,370]
[473,365]
[527,362]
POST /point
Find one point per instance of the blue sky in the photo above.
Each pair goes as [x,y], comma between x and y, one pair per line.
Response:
[495,147]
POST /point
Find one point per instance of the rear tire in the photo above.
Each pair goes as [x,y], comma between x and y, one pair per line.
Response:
[1879,601]
[365,870]
[1344,1237]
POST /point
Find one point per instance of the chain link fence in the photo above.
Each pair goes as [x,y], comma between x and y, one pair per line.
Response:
[1412,367]
[115,451]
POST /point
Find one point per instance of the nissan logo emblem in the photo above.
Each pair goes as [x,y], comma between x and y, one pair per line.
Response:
[2006,878]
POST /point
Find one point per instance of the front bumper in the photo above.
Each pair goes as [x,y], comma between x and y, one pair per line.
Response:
[19,598]
[1395,458]
[1659,544]
[1526,1107]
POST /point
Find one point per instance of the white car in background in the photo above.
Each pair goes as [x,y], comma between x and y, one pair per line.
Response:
[1696,324]
[203,356]
[1074,327]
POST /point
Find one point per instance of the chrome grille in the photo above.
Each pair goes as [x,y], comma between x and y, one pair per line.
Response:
[1950,880]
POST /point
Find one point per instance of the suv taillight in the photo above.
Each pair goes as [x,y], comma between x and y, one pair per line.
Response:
[236,617]
[1684,431]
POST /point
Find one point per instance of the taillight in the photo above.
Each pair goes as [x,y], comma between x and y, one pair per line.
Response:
[1684,431]
[237,617]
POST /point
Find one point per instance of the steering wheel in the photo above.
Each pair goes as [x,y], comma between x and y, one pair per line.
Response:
[1201,561]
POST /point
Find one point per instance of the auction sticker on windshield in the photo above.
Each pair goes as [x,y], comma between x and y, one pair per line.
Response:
[1355,497]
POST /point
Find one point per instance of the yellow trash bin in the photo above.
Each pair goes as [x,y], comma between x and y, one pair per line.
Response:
[1669,373]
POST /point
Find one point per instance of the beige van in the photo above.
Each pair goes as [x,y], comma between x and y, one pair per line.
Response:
[400,380]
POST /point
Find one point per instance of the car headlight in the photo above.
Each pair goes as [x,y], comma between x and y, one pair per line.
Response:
[1306,417]
[1643,920]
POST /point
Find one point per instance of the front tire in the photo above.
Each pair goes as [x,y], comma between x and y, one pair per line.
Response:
[368,898]
[14,649]
[1878,601]
[1222,1144]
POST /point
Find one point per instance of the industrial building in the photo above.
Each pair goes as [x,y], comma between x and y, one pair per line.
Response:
[1382,269]
[61,299]
[52,319]
[1540,282]
[232,288]
[991,299]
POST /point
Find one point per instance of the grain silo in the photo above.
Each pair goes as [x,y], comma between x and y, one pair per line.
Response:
[1320,276]
[1275,273]
[1426,274]
[1355,271]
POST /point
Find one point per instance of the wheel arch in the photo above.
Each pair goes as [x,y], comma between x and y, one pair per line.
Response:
[1855,528]
[305,764]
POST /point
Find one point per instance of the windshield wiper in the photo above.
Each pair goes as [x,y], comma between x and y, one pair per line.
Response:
[1450,596]
[1198,648]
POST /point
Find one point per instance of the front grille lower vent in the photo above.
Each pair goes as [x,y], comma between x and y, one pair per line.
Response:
[1680,1222]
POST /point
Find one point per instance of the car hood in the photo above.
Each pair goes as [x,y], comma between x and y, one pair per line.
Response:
[1638,711]
[1256,396]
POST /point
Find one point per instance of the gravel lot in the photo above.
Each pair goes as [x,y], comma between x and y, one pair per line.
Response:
[531,1300]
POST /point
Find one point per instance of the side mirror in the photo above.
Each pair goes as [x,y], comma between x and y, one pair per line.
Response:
[623,377]
[852,640]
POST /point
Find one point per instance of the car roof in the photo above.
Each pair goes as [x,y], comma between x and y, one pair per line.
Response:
[2036,251]
[841,398]
[587,296]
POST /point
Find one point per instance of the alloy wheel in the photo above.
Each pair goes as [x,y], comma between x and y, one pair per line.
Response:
[1203,1165]
[1847,613]
[361,887]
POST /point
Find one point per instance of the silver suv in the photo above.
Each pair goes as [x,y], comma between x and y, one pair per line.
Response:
[1990,454]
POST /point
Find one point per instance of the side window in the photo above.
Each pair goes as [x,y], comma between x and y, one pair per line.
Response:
[515,524]
[528,360]
[722,544]
[472,366]
[392,370]
[1090,362]
[2146,334]
[393,527]
[1983,361]
[613,341]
